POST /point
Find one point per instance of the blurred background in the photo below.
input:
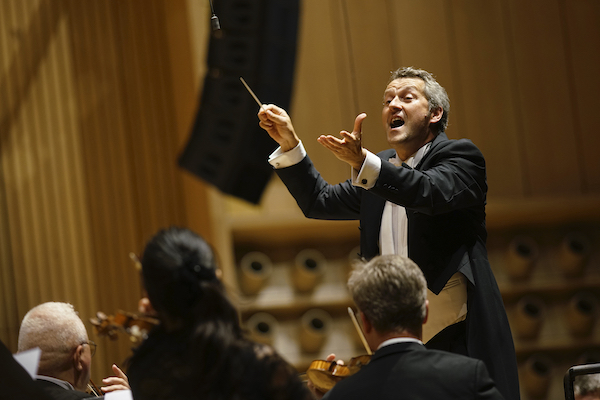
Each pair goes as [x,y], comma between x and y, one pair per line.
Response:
[100,99]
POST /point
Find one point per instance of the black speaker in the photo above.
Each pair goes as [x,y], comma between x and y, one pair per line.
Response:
[257,41]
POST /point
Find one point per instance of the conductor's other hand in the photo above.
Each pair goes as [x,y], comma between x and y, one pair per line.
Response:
[278,124]
[349,148]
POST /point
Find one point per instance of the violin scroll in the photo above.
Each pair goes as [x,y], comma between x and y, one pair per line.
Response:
[134,325]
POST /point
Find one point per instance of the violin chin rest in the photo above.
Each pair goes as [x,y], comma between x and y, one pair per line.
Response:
[322,380]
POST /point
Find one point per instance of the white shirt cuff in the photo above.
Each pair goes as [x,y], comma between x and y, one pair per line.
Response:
[280,159]
[369,172]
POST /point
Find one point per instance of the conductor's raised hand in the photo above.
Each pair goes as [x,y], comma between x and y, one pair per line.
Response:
[349,148]
[278,124]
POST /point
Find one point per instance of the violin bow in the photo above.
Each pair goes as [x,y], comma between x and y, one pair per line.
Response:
[136,261]
[359,330]
[93,389]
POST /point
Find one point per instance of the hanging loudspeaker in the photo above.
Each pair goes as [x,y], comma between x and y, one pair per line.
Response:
[257,41]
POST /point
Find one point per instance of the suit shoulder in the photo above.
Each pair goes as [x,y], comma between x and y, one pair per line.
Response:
[457,148]
[458,145]
[449,359]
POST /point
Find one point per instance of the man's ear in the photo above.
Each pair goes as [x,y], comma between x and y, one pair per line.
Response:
[426,311]
[77,358]
[436,115]
[366,324]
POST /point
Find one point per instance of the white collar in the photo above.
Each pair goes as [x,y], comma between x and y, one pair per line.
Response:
[417,157]
[399,340]
[59,382]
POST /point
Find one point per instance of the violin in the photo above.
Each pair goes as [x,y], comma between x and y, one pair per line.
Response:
[325,374]
[135,325]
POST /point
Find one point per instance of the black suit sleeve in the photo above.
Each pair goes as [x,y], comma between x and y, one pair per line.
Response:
[317,198]
[20,384]
[452,177]
[485,388]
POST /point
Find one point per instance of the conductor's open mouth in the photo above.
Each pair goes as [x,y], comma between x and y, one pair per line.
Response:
[396,123]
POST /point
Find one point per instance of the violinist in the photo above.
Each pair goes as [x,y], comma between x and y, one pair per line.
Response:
[390,292]
[65,363]
[198,350]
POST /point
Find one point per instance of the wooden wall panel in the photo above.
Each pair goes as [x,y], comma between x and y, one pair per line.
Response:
[11,89]
[414,45]
[411,45]
[370,44]
[184,32]
[541,69]
[98,73]
[130,140]
[40,164]
[8,311]
[320,91]
[149,113]
[90,140]
[430,49]
[581,24]
[485,92]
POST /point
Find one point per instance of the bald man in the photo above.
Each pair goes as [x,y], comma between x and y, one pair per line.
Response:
[65,364]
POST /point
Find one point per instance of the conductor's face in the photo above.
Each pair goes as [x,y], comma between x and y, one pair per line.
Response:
[406,116]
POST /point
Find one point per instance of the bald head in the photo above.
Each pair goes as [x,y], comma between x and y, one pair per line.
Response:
[57,330]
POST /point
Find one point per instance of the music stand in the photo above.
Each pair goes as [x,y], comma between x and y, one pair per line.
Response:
[574,371]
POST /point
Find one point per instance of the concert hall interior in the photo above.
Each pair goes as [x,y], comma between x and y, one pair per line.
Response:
[101,111]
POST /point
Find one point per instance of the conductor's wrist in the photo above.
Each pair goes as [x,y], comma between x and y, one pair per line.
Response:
[357,165]
[288,145]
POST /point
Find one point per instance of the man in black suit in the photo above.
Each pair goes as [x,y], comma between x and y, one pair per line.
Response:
[390,292]
[19,383]
[65,363]
[425,199]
